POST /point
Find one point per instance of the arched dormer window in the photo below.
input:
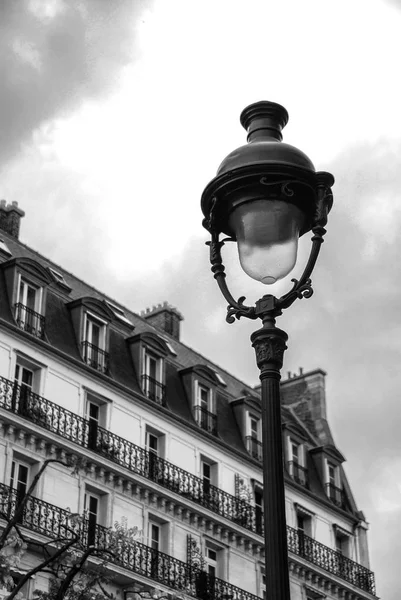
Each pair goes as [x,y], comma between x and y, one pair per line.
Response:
[201,383]
[26,282]
[91,319]
[295,452]
[328,461]
[247,411]
[149,352]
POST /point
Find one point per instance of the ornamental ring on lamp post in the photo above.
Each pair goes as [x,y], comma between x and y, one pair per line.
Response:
[265,195]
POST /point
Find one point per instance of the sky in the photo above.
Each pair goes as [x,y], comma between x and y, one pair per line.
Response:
[115,114]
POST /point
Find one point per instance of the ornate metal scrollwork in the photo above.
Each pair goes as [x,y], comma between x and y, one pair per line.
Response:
[235,309]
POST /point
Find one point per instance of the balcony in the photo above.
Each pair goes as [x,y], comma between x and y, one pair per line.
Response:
[298,473]
[205,419]
[29,320]
[254,447]
[54,522]
[95,357]
[137,460]
[329,560]
[336,495]
[154,390]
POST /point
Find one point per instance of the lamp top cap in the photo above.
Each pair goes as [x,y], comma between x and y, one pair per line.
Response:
[268,116]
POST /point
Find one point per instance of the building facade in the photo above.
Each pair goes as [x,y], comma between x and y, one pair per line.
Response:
[172,445]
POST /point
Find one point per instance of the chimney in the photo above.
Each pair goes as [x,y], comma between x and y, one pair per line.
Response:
[10,217]
[165,317]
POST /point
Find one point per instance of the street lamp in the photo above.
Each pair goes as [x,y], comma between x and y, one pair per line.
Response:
[265,195]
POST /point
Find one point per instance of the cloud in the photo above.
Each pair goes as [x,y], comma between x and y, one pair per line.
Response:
[55,54]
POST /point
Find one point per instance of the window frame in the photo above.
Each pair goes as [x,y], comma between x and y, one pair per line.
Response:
[38,289]
[252,417]
[210,401]
[95,319]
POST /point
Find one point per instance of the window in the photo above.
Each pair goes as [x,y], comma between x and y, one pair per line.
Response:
[258,494]
[204,408]
[94,343]
[28,308]
[24,400]
[119,313]
[96,416]
[303,522]
[211,561]
[91,508]
[210,497]
[253,437]
[152,377]
[155,448]
[19,484]
[263,582]
[19,478]
[154,536]
[4,248]
[342,541]
[334,491]
[58,277]
[95,508]
[158,542]
[22,396]
[296,463]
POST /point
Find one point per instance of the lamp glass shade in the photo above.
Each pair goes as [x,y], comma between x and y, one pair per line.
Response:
[267,233]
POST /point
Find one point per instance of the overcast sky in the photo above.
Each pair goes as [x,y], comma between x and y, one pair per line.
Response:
[115,114]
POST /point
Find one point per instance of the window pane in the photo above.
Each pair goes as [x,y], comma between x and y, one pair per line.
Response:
[154,536]
[31,297]
[206,471]
[153,443]
[93,411]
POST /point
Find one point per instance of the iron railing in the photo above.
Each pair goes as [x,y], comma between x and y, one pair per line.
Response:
[95,357]
[330,560]
[298,473]
[153,389]
[336,495]
[254,447]
[54,522]
[29,320]
[205,419]
[88,434]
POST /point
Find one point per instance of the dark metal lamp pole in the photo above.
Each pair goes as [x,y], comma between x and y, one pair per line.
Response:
[265,195]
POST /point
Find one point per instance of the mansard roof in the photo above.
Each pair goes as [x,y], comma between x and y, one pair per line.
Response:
[60,334]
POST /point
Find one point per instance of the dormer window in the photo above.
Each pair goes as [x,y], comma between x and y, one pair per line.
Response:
[152,376]
[333,489]
[94,343]
[202,386]
[254,437]
[28,308]
[296,464]
[205,414]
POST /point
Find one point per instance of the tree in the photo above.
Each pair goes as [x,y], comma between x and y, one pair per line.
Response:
[65,557]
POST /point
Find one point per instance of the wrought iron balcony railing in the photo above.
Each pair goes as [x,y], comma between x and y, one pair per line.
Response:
[89,435]
[54,522]
[153,389]
[254,447]
[298,473]
[29,320]
[205,419]
[336,495]
[330,560]
[95,357]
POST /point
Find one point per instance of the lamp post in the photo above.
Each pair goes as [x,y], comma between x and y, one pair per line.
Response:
[265,195]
